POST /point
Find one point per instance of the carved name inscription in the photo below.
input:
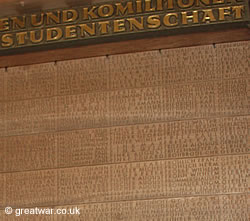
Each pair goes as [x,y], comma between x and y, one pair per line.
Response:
[134,181]
[30,116]
[30,152]
[223,207]
[192,138]
[30,188]
[173,178]
[81,76]
[82,111]
[135,70]
[33,81]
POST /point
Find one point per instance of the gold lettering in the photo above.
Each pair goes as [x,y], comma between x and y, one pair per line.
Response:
[138,6]
[34,21]
[54,34]
[159,5]
[104,14]
[17,23]
[104,26]
[208,15]
[4,24]
[90,30]
[89,13]
[69,15]
[224,11]
[181,3]
[167,19]
[186,17]
[121,10]
[238,11]
[70,31]
[154,21]
[148,7]
[7,40]
[51,17]
[170,4]
[33,36]
[21,37]
[218,1]
[133,22]
[119,25]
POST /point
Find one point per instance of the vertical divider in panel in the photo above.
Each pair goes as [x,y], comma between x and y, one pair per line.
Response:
[108,113]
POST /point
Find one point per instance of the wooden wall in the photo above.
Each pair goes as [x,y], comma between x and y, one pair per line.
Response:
[158,135]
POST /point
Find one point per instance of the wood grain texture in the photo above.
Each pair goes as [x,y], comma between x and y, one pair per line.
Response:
[29,152]
[129,137]
[227,207]
[30,116]
[89,75]
[125,71]
[33,81]
[192,208]
[2,192]
[134,181]
[124,107]
[30,189]
[206,63]
[112,94]
[2,86]
[133,70]
[124,144]
[147,44]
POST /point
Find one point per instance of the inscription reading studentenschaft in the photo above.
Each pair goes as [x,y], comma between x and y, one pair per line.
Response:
[116,18]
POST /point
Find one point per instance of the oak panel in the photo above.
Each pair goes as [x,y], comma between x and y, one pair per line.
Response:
[194,138]
[147,180]
[2,119]
[206,99]
[197,64]
[85,147]
[36,188]
[206,63]
[32,81]
[233,59]
[2,191]
[83,75]
[222,207]
[135,70]
[30,116]
[2,154]
[30,152]
[134,106]
[82,111]
[169,140]
[2,85]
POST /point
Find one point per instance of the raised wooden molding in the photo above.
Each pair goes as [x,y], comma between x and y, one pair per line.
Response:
[182,40]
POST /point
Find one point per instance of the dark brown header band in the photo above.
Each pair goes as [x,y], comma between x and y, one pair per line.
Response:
[127,19]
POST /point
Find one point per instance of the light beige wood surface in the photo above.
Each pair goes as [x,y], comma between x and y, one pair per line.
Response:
[129,137]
